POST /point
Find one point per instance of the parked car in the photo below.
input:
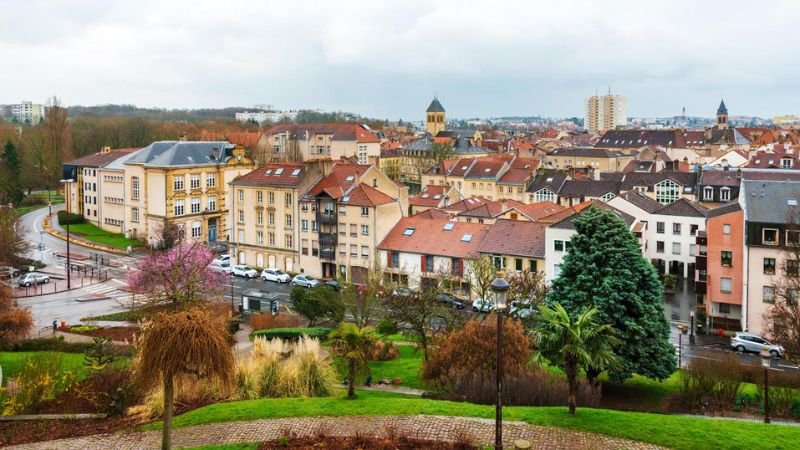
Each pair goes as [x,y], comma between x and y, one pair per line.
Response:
[225,257]
[306,281]
[746,342]
[241,270]
[481,305]
[450,301]
[275,275]
[220,267]
[521,310]
[33,278]
[402,292]
[333,284]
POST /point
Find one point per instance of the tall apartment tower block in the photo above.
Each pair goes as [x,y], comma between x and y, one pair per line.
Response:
[606,112]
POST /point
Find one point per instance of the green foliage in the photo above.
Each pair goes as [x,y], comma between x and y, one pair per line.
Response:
[10,167]
[605,268]
[321,303]
[292,334]
[40,378]
[100,354]
[92,233]
[355,345]
[388,326]
[68,218]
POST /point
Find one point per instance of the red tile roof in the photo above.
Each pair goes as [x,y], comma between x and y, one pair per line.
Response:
[433,213]
[516,238]
[537,210]
[492,208]
[430,195]
[342,177]
[485,168]
[274,174]
[430,237]
[466,204]
[340,131]
[100,159]
[364,195]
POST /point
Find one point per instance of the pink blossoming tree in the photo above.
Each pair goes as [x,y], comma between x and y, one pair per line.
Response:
[179,276]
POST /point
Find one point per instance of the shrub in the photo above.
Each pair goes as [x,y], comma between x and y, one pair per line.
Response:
[388,326]
[795,408]
[189,391]
[532,388]
[313,376]
[32,200]
[40,379]
[385,350]
[706,381]
[782,392]
[68,218]
[292,334]
[82,328]
[268,321]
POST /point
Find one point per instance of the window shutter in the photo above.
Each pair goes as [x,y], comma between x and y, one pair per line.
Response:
[390,259]
[423,263]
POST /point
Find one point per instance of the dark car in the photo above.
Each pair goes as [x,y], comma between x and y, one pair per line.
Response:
[333,284]
[450,301]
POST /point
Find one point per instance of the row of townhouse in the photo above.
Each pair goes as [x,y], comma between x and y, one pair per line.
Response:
[322,142]
[135,191]
[492,177]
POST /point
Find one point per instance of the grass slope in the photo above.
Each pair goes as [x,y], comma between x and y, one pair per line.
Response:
[92,233]
[672,431]
[406,367]
[11,363]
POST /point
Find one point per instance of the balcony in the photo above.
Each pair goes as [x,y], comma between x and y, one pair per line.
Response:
[327,253]
[699,287]
[327,217]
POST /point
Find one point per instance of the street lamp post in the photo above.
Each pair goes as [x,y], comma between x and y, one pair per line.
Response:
[766,363]
[691,327]
[500,288]
[66,226]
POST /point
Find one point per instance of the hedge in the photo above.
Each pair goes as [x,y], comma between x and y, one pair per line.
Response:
[292,334]
[58,344]
[67,218]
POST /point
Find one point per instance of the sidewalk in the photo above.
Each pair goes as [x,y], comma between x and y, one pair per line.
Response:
[435,428]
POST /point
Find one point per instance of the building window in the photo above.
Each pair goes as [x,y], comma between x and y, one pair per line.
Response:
[786,163]
[725,194]
[259,197]
[543,195]
[195,205]
[365,230]
[793,237]
[353,230]
[395,259]
[343,249]
[708,193]
[364,251]
[365,211]
[518,264]
[429,263]
[676,229]
[725,285]
[693,230]
[342,210]
[353,250]
[558,245]
[179,207]
[194,181]
[362,155]
[241,195]
[259,218]
[314,226]
[660,227]
[259,238]
[692,250]
[288,199]
[304,224]
[304,207]
[659,246]
[134,214]
[288,241]
[769,236]
[211,180]
[726,258]
[288,223]
[792,266]
[676,248]
[724,308]
[726,228]
[271,219]
[667,192]
[197,229]
[271,239]
[768,294]
[499,262]
[135,188]
[271,196]
[177,182]
[769,266]
[304,244]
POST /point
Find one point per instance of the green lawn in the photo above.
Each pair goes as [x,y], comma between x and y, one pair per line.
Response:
[11,363]
[55,197]
[406,367]
[666,430]
[94,234]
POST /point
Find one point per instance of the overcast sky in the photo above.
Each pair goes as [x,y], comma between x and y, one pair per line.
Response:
[385,59]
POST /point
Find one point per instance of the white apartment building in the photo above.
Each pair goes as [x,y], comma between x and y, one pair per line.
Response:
[28,112]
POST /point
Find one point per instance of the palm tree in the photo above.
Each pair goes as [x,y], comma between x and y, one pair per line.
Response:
[187,342]
[571,343]
[354,345]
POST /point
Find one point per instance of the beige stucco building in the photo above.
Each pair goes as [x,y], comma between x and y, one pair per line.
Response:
[323,142]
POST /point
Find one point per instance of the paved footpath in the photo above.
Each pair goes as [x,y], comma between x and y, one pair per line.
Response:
[439,428]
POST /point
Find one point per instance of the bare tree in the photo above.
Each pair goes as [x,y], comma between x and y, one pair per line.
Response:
[483,273]
[363,300]
[782,318]
[417,312]
[59,140]
[13,247]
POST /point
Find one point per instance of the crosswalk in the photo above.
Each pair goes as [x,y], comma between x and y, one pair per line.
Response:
[111,290]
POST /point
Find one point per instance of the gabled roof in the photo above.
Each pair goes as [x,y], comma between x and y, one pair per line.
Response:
[100,159]
[685,179]
[438,237]
[537,210]
[288,174]
[485,168]
[491,209]
[430,196]
[435,106]
[515,238]
[341,178]
[364,195]
[568,222]
[642,201]
[684,208]
[433,213]
[724,209]
[549,179]
[636,165]
[719,178]
[340,131]
[466,204]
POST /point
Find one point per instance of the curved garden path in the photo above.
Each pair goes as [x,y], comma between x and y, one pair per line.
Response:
[441,428]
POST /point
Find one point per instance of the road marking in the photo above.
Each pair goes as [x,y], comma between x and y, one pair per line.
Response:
[788,367]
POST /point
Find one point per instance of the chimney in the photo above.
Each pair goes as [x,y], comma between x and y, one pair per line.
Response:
[739,173]
[183,136]
[105,149]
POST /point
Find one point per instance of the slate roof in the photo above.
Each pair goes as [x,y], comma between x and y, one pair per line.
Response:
[461,146]
[585,152]
[724,209]
[684,208]
[431,238]
[719,178]
[435,106]
[274,174]
[589,188]
[641,138]
[722,109]
[768,201]
[642,201]
[685,179]
[515,238]
[183,153]
[770,175]
[552,180]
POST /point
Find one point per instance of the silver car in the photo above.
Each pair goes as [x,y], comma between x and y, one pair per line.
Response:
[746,342]
[32,278]
[306,281]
